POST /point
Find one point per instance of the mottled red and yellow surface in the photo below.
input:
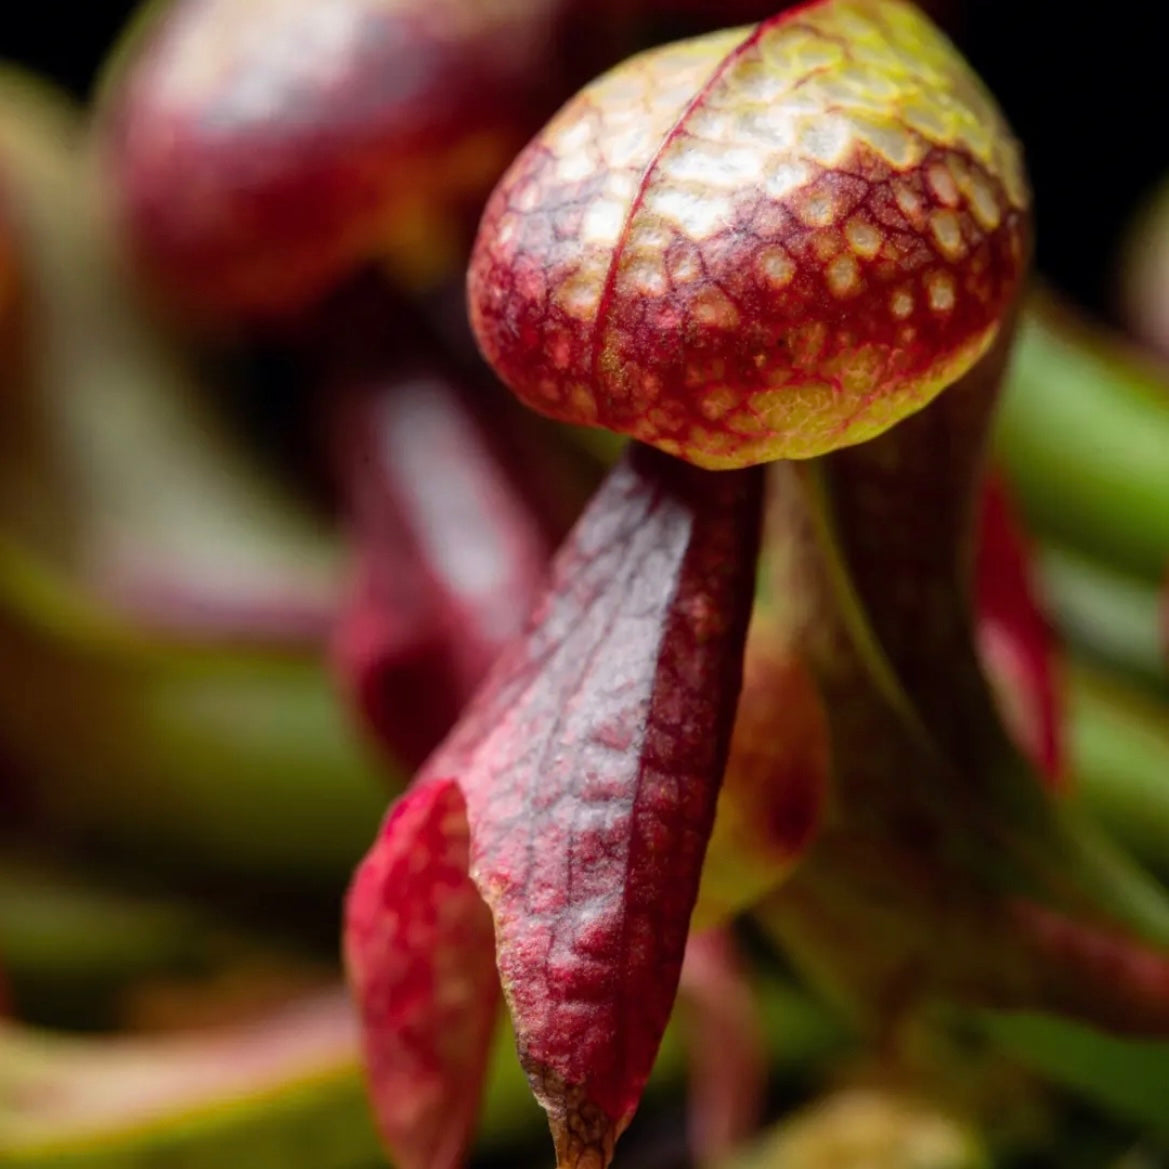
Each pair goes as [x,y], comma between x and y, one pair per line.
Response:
[768,242]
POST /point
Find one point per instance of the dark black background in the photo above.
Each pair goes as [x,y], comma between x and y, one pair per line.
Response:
[1086,88]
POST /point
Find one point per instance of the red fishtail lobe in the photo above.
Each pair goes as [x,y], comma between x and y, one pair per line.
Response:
[590,763]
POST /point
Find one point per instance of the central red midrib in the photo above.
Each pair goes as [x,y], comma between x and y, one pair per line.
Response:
[607,292]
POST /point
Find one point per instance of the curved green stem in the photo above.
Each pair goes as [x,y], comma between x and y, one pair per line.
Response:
[1106,615]
[120,488]
[1120,759]
[59,933]
[283,1093]
[223,762]
[1083,430]
[81,949]
[227,760]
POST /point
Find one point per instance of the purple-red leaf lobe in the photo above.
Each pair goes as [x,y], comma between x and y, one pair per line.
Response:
[451,555]
[590,763]
[419,949]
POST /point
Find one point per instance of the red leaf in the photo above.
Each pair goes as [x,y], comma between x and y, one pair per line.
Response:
[728,1060]
[1017,643]
[590,763]
[419,949]
[451,556]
